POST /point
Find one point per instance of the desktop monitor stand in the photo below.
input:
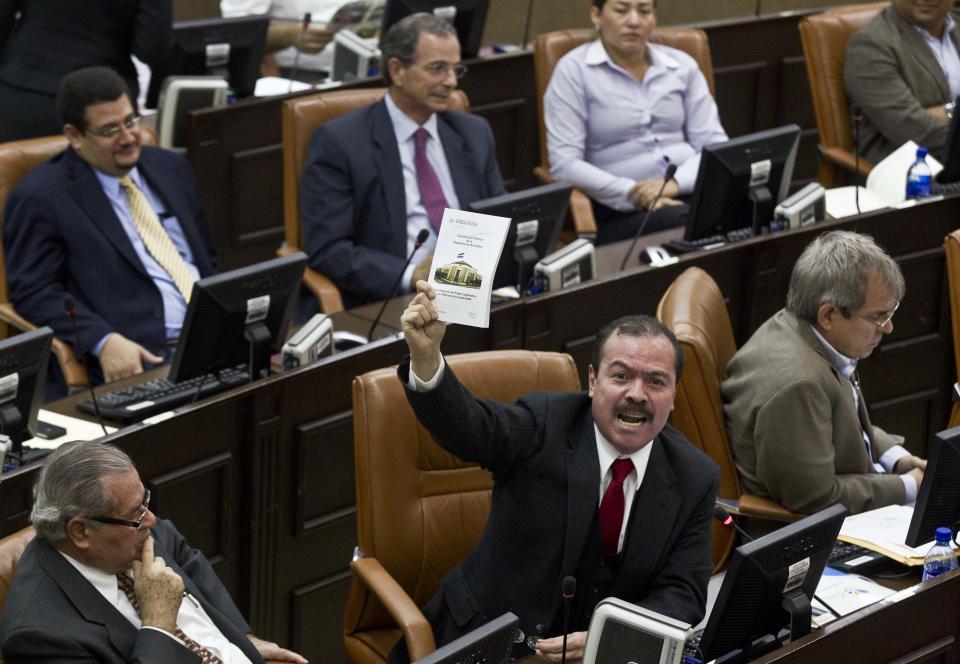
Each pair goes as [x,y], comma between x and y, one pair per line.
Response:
[526,256]
[762,208]
[258,335]
[11,419]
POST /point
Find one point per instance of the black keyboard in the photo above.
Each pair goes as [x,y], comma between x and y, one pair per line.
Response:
[855,558]
[133,404]
[945,188]
[682,246]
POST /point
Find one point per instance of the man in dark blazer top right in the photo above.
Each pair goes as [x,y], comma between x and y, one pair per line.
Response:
[892,73]
[553,457]
[360,199]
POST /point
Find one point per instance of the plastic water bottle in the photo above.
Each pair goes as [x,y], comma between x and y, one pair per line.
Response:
[919,176]
[940,558]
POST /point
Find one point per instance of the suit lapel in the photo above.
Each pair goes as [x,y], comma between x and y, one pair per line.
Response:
[652,518]
[916,47]
[89,603]
[583,482]
[86,190]
[387,158]
[458,159]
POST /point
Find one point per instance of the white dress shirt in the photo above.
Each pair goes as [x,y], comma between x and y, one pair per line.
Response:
[192,619]
[945,51]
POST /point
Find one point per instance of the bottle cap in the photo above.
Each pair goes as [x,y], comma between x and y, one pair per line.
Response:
[921,152]
[943,533]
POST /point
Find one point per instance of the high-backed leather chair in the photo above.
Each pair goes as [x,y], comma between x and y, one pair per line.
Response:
[17,158]
[824,38]
[694,309]
[420,510]
[951,246]
[300,117]
[549,47]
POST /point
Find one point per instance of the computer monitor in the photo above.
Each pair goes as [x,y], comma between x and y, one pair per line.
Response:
[231,48]
[951,151]
[741,181]
[353,57]
[23,374]
[467,16]
[536,217]
[490,643]
[938,501]
[768,587]
[238,318]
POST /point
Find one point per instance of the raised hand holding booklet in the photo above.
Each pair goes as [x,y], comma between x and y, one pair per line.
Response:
[464,263]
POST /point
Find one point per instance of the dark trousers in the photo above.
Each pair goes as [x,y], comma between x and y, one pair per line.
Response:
[613,225]
[26,114]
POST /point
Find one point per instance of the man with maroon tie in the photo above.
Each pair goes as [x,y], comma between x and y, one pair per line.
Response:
[376,177]
[592,485]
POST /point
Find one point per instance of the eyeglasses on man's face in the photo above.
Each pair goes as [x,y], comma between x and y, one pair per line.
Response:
[440,69]
[881,319]
[111,131]
[138,524]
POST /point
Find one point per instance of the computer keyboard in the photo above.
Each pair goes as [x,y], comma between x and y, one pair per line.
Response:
[944,188]
[682,246]
[133,404]
[854,558]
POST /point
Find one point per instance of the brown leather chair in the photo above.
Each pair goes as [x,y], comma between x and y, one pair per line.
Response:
[951,246]
[549,47]
[694,309]
[824,37]
[300,117]
[420,510]
[18,158]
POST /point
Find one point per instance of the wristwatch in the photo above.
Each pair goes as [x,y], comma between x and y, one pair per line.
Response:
[948,109]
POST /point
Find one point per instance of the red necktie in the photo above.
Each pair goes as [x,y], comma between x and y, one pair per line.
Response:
[431,193]
[612,506]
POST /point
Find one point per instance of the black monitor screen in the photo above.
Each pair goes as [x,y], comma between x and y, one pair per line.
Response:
[938,501]
[490,643]
[769,584]
[23,373]
[238,318]
[527,242]
[741,180]
[467,16]
[228,47]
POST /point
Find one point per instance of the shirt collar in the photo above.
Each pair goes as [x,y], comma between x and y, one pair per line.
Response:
[608,453]
[111,183]
[660,58]
[843,364]
[404,127]
[944,38]
[105,583]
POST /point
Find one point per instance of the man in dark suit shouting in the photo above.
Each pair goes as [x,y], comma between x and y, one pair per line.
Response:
[115,225]
[592,485]
[376,177]
[105,580]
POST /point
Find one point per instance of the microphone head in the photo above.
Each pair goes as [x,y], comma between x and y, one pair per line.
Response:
[569,587]
[69,304]
[722,515]
[671,171]
[857,112]
[422,236]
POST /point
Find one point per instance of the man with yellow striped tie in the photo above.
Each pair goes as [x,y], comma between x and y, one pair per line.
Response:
[114,224]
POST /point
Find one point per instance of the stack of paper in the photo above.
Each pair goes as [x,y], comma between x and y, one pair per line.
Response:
[845,593]
[884,530]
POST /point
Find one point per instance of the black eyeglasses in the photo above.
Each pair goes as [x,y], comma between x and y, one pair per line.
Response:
[113,130]
[138,524]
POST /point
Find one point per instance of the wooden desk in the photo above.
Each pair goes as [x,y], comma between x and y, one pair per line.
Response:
[261,478]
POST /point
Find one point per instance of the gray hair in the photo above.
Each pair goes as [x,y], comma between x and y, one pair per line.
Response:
[836,269]
[401,39]
[70,484]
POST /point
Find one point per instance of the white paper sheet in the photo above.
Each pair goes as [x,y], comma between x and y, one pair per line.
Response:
[77,429]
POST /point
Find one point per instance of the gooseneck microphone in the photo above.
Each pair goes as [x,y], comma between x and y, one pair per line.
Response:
[296,51]
[421,238]
[667,176]
[71,308]
[857,121]
[726,520]
[568,590]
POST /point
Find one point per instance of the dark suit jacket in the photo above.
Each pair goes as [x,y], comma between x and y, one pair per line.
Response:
[892,74]
[53,614]
[543,455]
[52,39]
[61,235]
[352,200]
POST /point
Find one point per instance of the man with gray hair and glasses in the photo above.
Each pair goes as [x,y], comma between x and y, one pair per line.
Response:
[796,418]
[105,580]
